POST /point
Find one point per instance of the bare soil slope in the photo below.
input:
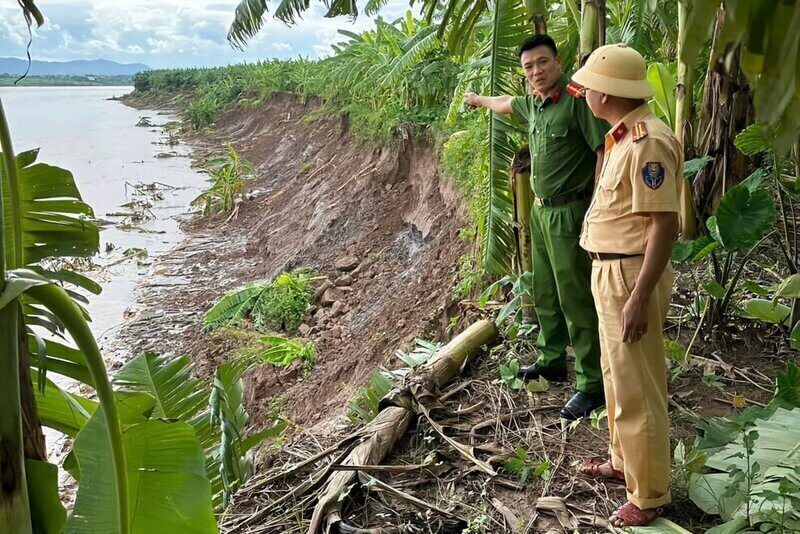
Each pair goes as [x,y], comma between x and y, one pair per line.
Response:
[386,215]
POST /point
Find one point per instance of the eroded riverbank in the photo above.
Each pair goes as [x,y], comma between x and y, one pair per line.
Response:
[318,199]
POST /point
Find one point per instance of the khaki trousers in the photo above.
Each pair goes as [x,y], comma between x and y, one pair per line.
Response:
[635,381]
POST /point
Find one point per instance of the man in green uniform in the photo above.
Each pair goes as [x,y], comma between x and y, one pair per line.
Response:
[566,145]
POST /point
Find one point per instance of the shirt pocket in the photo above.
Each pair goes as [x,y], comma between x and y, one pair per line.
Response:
[556,134]
[610,190]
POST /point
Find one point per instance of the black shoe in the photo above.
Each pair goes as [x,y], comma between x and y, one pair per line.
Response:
[581,405]
[534,371]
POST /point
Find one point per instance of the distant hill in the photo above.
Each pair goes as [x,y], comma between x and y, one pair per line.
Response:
[81,67]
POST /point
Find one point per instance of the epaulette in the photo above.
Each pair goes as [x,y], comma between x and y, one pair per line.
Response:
[575,90]
[639,131]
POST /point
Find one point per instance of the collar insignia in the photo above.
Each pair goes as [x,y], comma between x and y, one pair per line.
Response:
[575,90]
[619,132]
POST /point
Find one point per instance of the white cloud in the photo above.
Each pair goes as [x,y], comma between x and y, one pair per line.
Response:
[170,33]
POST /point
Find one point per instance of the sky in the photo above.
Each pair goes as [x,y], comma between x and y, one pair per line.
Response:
[169,33]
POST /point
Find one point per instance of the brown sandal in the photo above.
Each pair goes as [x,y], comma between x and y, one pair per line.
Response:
[594,469]
[630,515]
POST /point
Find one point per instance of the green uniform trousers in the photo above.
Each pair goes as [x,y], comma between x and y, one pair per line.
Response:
[562,293]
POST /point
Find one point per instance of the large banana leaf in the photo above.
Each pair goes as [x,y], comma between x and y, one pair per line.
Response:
[47,512]
[663,82]
[770,34]
[167,379]
[216,415]
[233,307]
[53,219]
[168,488]
[61,410]
[422,44]
[508,30]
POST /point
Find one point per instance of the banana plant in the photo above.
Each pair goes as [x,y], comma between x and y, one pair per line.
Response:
[19,282]
[769,35]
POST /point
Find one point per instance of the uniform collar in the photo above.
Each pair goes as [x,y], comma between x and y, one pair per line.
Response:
[618,132]
[561,85]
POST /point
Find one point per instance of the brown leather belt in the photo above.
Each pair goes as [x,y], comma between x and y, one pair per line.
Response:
[611,256]
[560,200]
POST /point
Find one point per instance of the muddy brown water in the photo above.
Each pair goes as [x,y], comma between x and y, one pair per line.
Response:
[80,129]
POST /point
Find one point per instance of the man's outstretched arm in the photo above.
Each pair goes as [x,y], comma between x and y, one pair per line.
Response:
[498,104]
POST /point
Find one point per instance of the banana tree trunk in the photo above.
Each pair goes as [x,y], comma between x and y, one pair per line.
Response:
[684,110]
[536,10]
[590,28]
[727,109]
[519,176]
[33,437]
[395,417]
[14,505]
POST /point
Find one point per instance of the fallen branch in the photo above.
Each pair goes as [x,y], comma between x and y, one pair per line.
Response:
[395,416]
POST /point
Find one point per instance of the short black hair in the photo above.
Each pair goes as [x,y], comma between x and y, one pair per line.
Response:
[538,40]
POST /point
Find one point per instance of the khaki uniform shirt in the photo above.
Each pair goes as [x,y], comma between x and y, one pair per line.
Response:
[643,163]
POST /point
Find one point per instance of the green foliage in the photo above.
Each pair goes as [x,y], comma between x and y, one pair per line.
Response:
[215,415]
[524,468]
[521,288]
[507,30]
[233,308]
[283,303]
[744,216]
[274,306]
[768,32]
[662,78]
[422,352]
[394,74]
[749,471]
[463,157]
[281,352]
[228,413]
[228,175]
[508,374]
[363,407]
[469,277]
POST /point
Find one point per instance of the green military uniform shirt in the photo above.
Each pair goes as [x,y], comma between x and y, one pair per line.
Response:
[563,136]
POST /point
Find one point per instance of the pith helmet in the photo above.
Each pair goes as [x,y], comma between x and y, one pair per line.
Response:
[616,70]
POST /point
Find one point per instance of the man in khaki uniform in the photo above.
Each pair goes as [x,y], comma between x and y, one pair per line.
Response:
[629,231]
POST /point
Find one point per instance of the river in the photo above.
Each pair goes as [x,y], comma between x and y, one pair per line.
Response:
[80,129]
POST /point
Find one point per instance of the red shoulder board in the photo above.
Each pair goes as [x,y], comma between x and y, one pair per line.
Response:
[639,131]
[575,90]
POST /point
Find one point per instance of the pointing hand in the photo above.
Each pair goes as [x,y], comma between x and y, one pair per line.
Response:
[471,100]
